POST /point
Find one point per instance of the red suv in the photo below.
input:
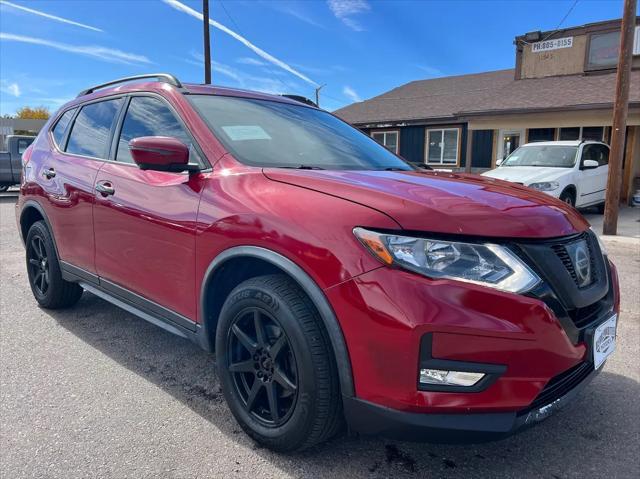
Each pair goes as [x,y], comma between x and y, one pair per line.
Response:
[333,280]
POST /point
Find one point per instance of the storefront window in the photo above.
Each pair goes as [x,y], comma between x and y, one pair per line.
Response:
[582,133]
[541,134]
[570,133]
[592,133]
[442,146]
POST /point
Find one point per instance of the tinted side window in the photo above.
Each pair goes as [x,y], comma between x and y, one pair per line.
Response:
[61,127]
[90,132]
[599,153]
[602,155]
[147,116]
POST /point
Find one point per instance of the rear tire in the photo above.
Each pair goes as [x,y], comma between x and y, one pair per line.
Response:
[281,384]
[43,269]
[600,208]
[569,197]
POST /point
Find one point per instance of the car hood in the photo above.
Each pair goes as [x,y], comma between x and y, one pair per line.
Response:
[446,203]
[527,174]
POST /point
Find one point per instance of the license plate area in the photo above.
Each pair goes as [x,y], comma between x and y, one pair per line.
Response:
[604,341]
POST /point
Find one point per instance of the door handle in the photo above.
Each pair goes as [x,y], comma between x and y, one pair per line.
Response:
[50,173]
[105,188]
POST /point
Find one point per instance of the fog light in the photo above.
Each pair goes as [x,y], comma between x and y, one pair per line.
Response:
[449,378]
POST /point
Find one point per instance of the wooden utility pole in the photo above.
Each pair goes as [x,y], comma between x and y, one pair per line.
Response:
[207,44]
[620,110]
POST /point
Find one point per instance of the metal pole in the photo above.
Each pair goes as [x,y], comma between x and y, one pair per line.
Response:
[318,94]
[207,44]
[620,110]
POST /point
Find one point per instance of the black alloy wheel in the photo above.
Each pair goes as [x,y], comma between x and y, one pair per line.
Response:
[38,265]
[45,277]
[276,365]
[263,367]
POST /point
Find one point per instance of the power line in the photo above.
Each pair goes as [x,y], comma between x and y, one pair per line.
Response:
[558,26]
[231,18]
[235,24]
[562,21]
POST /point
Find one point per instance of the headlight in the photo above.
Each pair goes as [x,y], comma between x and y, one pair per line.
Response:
[489,265]
[545,186]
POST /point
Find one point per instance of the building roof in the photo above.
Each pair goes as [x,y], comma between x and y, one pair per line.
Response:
[449,98]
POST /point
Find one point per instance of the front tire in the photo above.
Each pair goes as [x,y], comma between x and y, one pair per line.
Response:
[569,197]
[43,269]
[276,365]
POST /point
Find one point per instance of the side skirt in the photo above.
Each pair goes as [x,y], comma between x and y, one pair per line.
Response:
[133,303]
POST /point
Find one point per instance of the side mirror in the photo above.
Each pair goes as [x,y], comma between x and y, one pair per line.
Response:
[160,153]
[499,161]
[589,165]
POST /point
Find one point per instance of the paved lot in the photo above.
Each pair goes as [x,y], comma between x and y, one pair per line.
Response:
[96,392]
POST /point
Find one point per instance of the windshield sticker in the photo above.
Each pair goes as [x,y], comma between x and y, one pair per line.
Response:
[246,132]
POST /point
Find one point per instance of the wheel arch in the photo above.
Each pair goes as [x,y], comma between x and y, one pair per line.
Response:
[31,212]
[256,261]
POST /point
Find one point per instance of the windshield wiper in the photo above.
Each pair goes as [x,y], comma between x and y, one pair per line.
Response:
[302,167]
[420,166]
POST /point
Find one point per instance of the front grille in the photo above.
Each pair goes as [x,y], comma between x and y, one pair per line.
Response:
[561,252]
[560,385]
[576,305]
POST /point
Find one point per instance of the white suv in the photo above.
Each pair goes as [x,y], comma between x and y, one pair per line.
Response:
[574,171]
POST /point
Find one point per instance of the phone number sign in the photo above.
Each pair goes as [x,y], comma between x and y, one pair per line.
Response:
[546,45]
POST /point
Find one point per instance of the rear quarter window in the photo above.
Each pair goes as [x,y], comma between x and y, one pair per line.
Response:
[61,126]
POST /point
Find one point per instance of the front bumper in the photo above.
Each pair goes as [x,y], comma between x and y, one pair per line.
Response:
[386,312]
[368,418]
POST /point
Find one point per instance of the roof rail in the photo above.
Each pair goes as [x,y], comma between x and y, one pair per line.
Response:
[164,77]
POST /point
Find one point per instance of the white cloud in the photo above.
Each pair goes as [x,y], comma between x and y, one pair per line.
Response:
[55,101]
[316,70]
[49,16]
[12,89]
[351,94]
[431,71]
[251,61]
[294,9]
[344,10]
[258,51]
[103,53]
[239,79]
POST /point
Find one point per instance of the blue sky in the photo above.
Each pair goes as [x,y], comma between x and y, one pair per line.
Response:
[50,50]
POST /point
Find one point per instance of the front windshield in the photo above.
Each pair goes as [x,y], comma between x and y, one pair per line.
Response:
[555,156]
[274,134]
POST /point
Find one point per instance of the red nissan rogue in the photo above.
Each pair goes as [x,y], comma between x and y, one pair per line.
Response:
[335,282]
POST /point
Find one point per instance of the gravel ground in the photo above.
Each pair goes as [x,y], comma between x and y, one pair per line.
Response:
[96,392]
